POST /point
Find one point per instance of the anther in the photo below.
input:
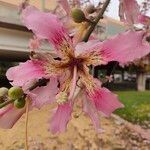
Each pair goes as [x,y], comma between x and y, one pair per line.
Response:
[61,98]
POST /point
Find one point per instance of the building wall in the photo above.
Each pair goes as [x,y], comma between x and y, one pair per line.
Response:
[48,4]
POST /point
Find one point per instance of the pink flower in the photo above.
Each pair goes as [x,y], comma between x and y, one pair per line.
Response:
[72,67]
[65,5]
[129,11]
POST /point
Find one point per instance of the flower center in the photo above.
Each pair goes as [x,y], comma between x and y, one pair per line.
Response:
[76,62]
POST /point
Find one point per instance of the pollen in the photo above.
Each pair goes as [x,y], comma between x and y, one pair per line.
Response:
[61,98]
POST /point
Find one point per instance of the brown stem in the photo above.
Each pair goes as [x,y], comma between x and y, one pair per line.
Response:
[6,103]
[100,15]
[40,82]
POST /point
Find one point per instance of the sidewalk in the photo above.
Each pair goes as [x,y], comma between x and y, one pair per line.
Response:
[80,135]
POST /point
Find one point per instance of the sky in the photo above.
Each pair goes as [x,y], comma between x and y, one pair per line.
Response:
[113,8]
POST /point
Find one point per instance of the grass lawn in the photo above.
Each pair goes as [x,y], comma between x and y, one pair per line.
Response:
[137,107]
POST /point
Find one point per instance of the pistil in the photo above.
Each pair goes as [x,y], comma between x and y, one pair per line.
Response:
[73,86]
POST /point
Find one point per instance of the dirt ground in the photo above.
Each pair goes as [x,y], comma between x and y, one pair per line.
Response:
[80,135]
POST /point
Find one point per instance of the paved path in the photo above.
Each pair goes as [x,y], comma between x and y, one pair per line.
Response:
[79,136]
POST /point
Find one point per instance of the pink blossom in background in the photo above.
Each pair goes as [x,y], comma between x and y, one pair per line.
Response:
[65,5]
[129,11]
[72,68]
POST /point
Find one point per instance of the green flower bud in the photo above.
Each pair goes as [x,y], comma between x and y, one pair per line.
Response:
[19,103]
[3,92]
[15,93]
[78,15]
[90,9]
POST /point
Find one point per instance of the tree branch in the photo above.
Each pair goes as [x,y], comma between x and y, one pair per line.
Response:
[100,15]
[6,103]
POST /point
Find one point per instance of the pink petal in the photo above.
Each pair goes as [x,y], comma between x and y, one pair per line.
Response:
[90,109]
[46,26]
[125,47]
[45,94]
[25,72]
[85,47]
[129,11]
[9,115]
[91,50]
[60,118]
[105,101]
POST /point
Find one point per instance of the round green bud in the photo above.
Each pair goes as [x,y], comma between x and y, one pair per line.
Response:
[19,103]
[78,15]
[3,92]
[90,9]
[15,93]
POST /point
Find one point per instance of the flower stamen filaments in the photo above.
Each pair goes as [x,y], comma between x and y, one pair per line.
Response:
[55,68]
[66,50]
[87,79]
[93,57]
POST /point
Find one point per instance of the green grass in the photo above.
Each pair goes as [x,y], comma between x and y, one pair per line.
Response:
[137,107]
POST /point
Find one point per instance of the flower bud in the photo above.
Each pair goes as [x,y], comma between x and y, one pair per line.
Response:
[3,92]
[19,103]
[78,15]
[90,9]
[15,93]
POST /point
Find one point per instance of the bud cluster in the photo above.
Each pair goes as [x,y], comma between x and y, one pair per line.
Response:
[3,94]
[14,93]
[80,16]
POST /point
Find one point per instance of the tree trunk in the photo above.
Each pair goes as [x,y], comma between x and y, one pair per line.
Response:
[141,82]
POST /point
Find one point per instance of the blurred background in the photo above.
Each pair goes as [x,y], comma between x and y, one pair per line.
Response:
[127,129]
